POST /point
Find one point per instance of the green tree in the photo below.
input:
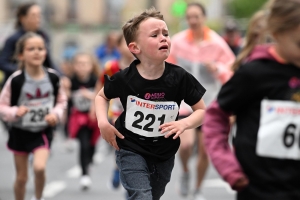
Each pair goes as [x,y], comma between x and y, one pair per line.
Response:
[245,8]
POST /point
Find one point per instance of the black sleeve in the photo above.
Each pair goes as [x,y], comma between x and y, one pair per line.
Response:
[7,62]
[240,90]
[112,85]
[192,89]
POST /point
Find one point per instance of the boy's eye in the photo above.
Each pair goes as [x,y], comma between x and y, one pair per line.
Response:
[166,34]
[153,35]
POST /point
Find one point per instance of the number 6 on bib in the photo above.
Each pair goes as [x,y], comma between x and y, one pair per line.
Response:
[279,131]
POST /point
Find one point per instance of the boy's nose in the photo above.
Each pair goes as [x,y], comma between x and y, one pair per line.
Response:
[163,38]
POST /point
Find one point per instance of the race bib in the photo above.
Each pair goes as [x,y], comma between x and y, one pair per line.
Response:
[144,117]
[80,102]
[38,109]
[279,131]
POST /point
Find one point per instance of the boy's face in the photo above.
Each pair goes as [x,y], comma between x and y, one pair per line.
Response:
[153,41]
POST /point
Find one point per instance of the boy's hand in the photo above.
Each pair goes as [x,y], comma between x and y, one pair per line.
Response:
[51,119]
[109,134]
[22,110]
[175,127]
[241,184]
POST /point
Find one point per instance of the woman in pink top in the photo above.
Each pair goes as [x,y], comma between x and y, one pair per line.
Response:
[203,53]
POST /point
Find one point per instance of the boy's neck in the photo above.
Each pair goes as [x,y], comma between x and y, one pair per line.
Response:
[151,71]
[35,72]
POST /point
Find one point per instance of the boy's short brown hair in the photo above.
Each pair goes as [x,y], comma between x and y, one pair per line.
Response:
[131,27]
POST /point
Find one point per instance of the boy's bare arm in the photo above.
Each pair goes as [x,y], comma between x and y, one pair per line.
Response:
[92,113]
[108,131]
[192,121]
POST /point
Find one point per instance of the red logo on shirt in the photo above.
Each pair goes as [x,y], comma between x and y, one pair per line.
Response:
[37,95]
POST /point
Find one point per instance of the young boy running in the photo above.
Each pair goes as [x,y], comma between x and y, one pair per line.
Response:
[150,91]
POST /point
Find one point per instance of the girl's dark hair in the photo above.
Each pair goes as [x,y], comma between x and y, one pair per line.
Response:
[22,11]
[21,45]
[199,5]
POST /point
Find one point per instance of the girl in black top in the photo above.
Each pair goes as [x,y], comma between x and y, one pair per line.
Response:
[80,124]
[264,95]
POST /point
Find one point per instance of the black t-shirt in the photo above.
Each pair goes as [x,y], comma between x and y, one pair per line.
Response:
[174,85]
[271,177]
[80,103]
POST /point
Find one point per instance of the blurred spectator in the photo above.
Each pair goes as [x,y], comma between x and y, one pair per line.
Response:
[28,18]
[256,34]
[108,51]
[203,53]
[70,49]
[233,37]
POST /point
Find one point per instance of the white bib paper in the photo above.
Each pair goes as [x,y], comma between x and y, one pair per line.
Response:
[38,109]
[279,131]
[144,117]
[80,102]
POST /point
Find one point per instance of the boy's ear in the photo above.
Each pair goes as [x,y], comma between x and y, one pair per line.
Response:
[133,48]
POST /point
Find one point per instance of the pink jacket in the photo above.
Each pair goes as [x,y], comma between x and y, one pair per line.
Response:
[213,48]
[216,129]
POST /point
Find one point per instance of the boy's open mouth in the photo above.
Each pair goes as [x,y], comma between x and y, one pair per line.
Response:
[163,47]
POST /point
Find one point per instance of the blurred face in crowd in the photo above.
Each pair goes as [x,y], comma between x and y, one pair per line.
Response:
[32,20]
[34,52]
[288,45]
[83,66]
[111,40]
[195,17]
[123,49]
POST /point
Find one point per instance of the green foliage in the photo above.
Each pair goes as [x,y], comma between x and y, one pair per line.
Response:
[178,8]
[245,8]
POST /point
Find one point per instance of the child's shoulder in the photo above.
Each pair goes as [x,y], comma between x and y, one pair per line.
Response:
[52,71]
[175,68]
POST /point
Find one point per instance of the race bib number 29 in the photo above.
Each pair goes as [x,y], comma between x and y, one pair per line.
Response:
[38,109]
[144,117]
[279,131]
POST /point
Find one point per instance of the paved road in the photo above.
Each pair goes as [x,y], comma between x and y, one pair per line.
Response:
[63,177]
